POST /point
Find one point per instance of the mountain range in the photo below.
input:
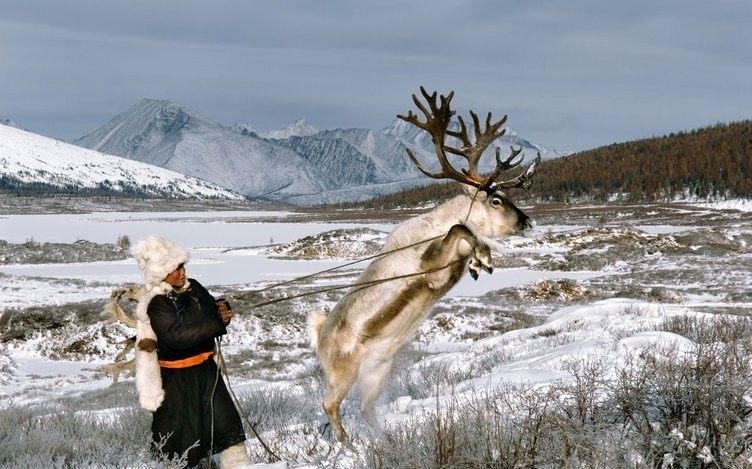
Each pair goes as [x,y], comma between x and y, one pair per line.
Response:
[299,164]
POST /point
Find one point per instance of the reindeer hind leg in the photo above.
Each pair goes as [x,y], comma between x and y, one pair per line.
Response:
[372,378]
[340,378]
[332,402]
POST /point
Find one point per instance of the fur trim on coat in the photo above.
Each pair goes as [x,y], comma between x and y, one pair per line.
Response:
[156,258]
[148,372]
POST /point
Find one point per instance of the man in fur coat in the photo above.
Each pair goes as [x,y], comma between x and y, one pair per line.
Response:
[176,377]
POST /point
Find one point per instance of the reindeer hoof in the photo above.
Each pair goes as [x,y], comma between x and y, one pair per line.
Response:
[325,430]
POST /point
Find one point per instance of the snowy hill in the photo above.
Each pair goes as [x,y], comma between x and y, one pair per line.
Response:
[30,161]
[296,164]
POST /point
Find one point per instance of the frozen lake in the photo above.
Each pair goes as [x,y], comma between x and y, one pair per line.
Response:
[213,239]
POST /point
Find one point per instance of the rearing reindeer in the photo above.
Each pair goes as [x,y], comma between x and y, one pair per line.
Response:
[423,258]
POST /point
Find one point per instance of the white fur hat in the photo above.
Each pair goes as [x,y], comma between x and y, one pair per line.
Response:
[157,257]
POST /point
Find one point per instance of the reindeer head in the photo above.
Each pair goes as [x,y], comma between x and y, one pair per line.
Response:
[493,213]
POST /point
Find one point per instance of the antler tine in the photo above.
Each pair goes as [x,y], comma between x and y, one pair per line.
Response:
[436,124]
[438,117]
[421,168]
[523,181]
[473,152]
[502,166]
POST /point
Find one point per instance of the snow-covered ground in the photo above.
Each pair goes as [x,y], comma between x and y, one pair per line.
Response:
[636,268]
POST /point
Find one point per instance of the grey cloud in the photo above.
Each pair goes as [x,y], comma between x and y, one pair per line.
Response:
[571,75]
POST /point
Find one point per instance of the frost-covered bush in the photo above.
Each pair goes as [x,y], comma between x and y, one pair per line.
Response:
[32,252]
[74,436]
[689,409]
[658,408]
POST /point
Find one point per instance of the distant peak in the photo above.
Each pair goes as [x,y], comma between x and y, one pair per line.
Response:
[299,128]
[155,105]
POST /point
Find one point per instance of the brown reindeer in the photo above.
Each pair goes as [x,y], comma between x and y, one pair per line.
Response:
[422,259]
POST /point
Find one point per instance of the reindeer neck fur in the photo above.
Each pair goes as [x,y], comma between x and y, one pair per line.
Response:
[461,209]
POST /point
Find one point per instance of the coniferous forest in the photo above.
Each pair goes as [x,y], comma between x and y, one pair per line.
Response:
[713,162]
[710,162]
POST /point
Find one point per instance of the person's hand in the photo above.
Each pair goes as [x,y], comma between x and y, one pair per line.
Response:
[224,310]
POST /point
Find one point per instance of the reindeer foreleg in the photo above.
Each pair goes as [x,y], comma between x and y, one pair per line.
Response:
[459,243]
[481,259]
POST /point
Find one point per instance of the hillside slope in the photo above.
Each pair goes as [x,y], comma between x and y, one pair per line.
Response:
[31,164]
[713,161]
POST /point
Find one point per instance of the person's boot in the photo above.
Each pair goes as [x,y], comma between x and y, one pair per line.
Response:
[234,457]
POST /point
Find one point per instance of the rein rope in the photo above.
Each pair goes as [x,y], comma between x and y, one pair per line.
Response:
[340,287]
[221,369]
[357,286]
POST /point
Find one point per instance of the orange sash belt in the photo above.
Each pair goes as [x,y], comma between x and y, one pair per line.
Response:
[186,362]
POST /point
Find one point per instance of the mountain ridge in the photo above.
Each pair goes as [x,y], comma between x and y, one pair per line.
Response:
[31,163]
[297,164]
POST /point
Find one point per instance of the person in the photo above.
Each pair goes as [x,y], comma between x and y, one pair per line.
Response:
[176,377]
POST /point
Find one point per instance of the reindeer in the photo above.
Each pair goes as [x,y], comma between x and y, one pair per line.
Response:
[422,259]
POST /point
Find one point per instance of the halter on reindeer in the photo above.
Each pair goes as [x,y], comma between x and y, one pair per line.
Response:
[356,341]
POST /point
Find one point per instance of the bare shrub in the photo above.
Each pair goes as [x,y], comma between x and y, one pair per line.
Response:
[282,419]
[51,436]
[562,289]
[706,330]
[516,320]
[420,379]
[123,243]
[510,428]
[493,358]
[660,408]
[689,410]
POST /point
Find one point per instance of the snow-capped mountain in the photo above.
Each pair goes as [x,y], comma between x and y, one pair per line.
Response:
[31,161]
[164,134]
[299,128]
[297,164]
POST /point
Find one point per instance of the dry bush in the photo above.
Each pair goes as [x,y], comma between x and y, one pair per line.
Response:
[660,408]
[562,289]
[690,409]
[73,436]
[282,419]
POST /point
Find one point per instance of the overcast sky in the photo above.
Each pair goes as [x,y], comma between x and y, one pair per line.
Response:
[570,74]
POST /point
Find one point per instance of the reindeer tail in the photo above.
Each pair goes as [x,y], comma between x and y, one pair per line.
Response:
[315,321]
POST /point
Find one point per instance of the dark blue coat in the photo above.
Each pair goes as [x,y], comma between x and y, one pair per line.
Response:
[186,324]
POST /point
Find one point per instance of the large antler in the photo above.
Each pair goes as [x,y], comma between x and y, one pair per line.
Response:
[438,117]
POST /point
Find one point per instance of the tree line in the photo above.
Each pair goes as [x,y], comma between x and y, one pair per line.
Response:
[714,161]
[709,162]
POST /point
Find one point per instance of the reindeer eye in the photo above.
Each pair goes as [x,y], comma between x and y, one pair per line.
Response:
[497,202]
